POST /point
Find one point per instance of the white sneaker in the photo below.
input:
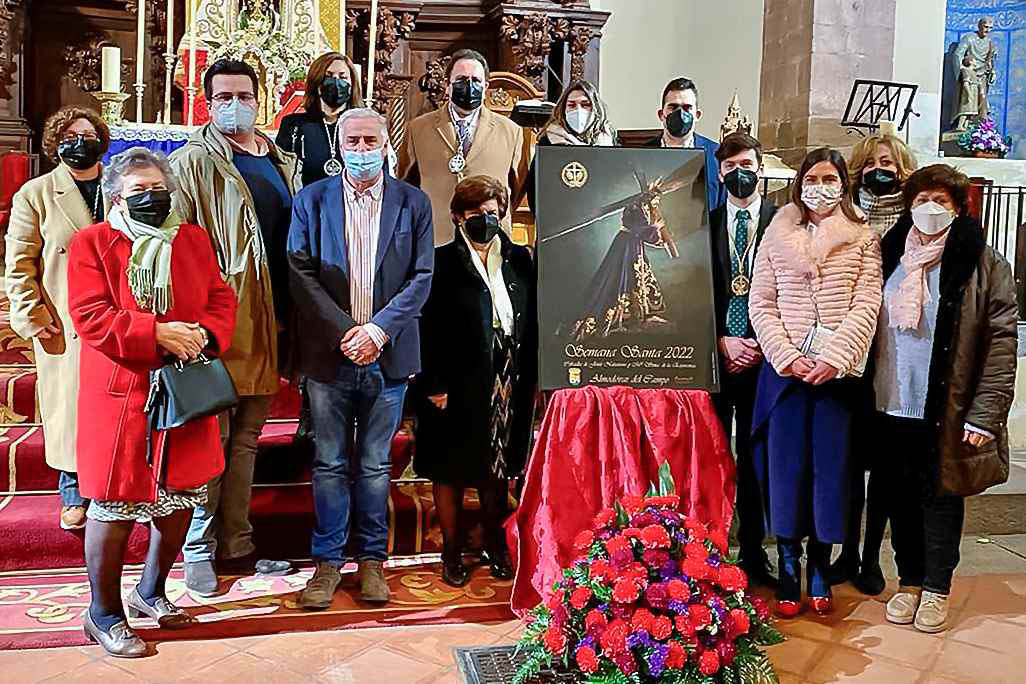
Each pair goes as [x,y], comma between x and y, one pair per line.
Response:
[932,616]
[901,609]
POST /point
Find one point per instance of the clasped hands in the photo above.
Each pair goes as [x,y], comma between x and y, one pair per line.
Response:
[186,341]
[813,372]
[359,347]
[740,352]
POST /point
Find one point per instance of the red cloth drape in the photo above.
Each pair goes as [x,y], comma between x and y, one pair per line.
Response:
[597,445]
[14,171]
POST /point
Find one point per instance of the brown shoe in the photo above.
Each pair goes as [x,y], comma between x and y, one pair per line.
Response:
[73,517]
[320,590]
[373,587]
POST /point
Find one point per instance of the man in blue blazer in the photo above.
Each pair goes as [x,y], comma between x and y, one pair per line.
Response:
[361,253]
[679,113]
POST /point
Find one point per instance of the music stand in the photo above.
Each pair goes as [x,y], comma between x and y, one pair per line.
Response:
[871,102]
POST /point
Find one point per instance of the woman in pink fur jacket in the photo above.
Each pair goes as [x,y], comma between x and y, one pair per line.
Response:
[814,302]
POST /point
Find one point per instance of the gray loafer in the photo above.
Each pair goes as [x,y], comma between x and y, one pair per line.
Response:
[167,614]
[120,641]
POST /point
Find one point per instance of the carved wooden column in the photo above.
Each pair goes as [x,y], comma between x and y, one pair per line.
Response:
[14,131]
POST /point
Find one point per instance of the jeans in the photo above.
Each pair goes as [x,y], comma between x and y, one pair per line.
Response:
[789,558]
[68,484]
[355,417]
[926,528]
[224,520]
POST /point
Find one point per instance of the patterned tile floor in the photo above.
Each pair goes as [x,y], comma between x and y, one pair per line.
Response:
[986,644]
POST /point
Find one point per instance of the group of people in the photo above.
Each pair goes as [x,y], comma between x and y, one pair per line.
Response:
[237,242]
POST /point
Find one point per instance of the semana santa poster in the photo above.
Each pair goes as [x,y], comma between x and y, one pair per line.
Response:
[625,291]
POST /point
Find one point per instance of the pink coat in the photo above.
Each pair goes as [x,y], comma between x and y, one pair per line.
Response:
[837,267]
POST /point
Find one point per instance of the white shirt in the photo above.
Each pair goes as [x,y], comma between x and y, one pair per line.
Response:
[689,142]
[502,307]
[753,226]
[471,121]
[363,225]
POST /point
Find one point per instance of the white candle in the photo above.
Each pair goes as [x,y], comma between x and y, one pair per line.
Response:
[373,42]
[169,54]
[191,92]
[110,58]
[317,27]
[140,60]
[342,26]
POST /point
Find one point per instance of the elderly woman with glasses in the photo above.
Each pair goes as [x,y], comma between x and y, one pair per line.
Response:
[144,288]
[45,214]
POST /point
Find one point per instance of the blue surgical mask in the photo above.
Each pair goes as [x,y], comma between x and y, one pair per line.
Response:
[234,117]
[363,166]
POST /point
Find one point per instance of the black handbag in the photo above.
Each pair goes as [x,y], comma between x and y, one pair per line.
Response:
[184,391]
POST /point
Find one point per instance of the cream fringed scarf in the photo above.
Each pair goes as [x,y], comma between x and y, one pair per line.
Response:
[149,268]
[906,308]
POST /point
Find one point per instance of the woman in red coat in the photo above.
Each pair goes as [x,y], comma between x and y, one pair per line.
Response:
[143,288]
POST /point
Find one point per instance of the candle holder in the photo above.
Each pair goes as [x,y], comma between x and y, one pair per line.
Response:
[112,106]
[140,88]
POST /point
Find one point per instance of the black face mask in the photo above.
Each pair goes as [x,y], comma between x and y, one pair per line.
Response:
[741,183]
[679,123]
[336,92]
[80,153]
[881,182]
[482,228]
[151,207]
[467,94]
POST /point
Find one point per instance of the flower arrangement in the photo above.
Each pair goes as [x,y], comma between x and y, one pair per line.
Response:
[652,598]
[984,137]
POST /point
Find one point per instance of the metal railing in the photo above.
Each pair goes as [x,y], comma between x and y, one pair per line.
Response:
[1001,210]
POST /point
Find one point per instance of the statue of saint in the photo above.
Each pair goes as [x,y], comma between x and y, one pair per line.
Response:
[974,63]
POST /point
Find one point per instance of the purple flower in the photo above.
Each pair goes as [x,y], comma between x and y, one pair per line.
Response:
[639,638]
[679,607]
[588,641]
[714,561]
[657,660]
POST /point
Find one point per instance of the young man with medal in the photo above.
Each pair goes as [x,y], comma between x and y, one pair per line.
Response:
[238,185]
[737,227]
[463,138]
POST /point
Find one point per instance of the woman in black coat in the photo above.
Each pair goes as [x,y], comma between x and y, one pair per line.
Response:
[479,346]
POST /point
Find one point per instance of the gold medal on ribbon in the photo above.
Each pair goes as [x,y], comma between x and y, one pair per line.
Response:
[740,285]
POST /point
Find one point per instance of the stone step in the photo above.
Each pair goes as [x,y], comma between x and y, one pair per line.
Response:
[1001,509]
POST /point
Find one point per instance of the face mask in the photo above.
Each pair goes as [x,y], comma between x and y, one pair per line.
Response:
[821,198]
[81,153]
[931,218]
[151,207]
[482,228]
[579,120]
[234,118]
[679,123]
[741,183]
[467,94]
[363,166]
[336,92]
[880,181]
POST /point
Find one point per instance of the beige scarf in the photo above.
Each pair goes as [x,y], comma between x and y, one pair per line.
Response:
[906,306]
[149,267]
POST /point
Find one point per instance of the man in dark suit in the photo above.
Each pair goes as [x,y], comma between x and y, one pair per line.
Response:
[679,113]
[361,253]
[736,228]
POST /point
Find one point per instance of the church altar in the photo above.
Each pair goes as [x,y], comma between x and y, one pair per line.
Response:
[164,138]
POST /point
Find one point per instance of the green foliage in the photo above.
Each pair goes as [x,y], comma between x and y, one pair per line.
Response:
[622,520]
[537,660]
[666,485]
[765,634]
[755,669]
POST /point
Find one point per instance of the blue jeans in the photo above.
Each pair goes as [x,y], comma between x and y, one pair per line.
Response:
[355,417]
[68,484]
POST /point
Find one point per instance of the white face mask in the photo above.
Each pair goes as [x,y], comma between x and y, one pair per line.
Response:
[821,198]
[931,218]
[579,119]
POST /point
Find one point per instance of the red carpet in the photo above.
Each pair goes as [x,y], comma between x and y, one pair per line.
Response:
[45,609]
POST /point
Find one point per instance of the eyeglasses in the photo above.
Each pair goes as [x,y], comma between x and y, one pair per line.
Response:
[225,98]
[72,137]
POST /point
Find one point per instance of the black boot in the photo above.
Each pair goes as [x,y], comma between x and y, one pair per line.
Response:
[870,581]
[454,572]
[305,431]
[846,567]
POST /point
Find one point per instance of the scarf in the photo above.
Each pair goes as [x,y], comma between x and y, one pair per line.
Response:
[560,136]
[149,267]
[906,306]
[883,211]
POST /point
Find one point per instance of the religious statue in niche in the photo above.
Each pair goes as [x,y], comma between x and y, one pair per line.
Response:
[974,63]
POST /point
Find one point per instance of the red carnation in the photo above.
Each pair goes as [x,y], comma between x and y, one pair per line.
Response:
[696,551]
[556,599]
[632,504]
[618,545]
[626,591]
[586,659]
[605,517]
[699,616]
[625,661]
[732,578]
[632,532]
[655,537]
[555,641]
[683,625]
[642,620]
[600,569]
[726,652]
[709,663]
[593,619]
[614,639]
[662,628]
[579,599]
[699,532]
[761,608]
[742,623]
[655,558]
[583,541]
[694,568]
[677,657]
[678,590]
[663,501]
[719,540]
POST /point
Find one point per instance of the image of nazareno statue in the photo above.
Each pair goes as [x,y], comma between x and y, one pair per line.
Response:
[624,294]
[974,65]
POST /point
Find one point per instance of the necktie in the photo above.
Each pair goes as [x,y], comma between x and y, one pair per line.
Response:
[464,136]
[737,308]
